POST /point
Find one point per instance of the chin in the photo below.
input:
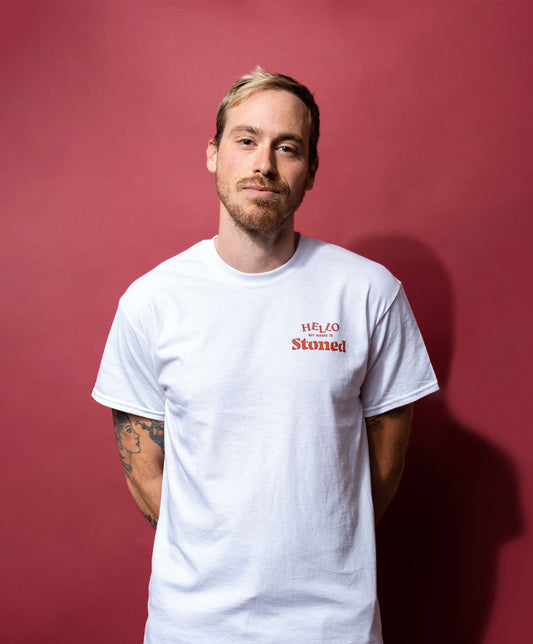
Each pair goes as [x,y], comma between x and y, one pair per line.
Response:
[264,222]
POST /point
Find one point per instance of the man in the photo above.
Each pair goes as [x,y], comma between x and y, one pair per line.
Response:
[259,355]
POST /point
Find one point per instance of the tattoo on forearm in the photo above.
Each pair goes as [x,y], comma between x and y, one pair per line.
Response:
[129,443]
[375,422]
[128,440]
[155,430]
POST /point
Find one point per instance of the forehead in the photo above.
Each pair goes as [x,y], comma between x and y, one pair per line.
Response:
[272,111]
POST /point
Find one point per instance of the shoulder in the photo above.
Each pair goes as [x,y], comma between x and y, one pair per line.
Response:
[345,266]
[158,282]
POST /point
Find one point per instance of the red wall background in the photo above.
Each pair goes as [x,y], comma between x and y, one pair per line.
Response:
[426,166]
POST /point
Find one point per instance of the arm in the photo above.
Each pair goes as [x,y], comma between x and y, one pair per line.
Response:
[388,435]
[140,442]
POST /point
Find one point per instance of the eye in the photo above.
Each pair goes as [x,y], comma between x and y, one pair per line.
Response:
[245,142]
[287,149]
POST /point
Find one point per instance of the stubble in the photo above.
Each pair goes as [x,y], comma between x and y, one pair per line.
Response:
[254,215]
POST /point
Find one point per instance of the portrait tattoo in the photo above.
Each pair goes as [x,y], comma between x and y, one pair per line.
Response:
[128,439]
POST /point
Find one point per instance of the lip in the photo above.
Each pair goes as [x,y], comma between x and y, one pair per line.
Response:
[262,190]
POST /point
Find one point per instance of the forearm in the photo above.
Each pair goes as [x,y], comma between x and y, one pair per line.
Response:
[147,495]
[385,482]
[388,436]
[140,443]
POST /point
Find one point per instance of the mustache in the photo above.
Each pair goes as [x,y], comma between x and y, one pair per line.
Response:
[278,187]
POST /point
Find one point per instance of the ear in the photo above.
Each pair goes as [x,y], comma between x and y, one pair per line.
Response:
[211,154]
[312,173]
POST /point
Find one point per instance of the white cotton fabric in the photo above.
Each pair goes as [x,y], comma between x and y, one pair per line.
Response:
[266,531]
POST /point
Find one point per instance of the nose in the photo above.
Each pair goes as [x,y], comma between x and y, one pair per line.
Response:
[265,162]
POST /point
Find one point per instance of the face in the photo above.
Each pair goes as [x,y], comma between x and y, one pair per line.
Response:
[129,439]
[261,164]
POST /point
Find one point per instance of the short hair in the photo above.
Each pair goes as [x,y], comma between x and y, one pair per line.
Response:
[260,80]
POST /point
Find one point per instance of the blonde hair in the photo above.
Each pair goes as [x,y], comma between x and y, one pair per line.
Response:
[260,80]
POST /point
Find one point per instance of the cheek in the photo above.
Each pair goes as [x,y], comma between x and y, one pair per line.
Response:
[229,169]
[299,181]
[130,439]
[232,166]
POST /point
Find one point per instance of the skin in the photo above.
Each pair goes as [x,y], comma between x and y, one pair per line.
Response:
[262,172]
[388,436]
[144,468]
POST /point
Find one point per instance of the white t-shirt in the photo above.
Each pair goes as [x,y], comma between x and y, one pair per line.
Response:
[266,531]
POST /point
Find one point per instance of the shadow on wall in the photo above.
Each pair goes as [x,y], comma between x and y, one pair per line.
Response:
[458,503]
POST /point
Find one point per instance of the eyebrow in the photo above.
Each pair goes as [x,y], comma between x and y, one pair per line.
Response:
[249,129]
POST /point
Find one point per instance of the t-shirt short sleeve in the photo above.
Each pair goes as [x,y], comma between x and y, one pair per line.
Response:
[399,371]
[126,378]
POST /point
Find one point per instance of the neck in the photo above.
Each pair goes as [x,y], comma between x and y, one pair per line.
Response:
[255,252]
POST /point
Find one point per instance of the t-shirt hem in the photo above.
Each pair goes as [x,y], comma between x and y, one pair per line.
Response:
[126,407]
[402,400]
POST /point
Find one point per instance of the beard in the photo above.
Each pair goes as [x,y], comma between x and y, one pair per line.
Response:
[253,214]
